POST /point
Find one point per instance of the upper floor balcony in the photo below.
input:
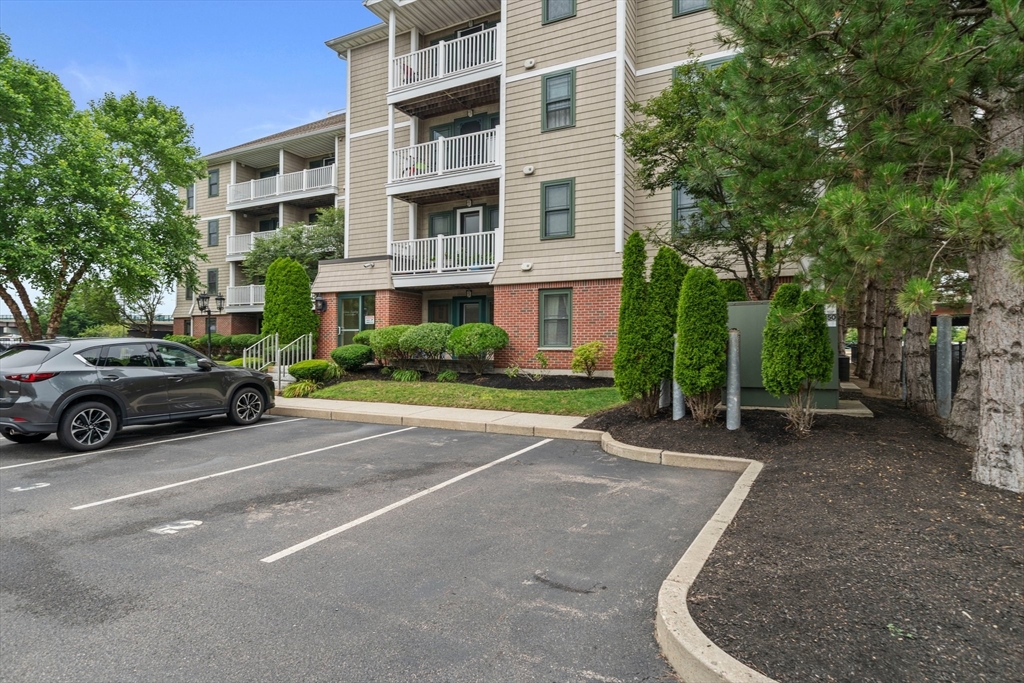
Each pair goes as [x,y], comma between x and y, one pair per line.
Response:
[240,245]
[428,169]
[446,260]
[465,71]
[310,182]
[247,296]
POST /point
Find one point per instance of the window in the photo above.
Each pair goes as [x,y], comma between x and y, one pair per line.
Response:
[214,180]
[439,311]
[313,217]
[555,318]
[557,200]
[212,275]
[91,356]
[559,95]
[683,207]
[190,196]
[188,328]
[320,163]
[188,293]
[681,7]
[126,355]
[492,218]
[268,224]
[268,173]
[556,10]
[176,357]
[440,224]
[213,232]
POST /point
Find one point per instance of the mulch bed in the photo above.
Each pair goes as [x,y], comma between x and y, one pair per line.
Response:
[863,552]
[501,381]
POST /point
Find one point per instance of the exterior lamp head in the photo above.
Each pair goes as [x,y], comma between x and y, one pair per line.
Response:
[203,300]
[220,302]
[320,304]
[469,293]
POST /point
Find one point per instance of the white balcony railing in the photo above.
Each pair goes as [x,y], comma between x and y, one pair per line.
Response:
[444,253]
[446,155]
[446,59]
[242,244]
[250,295]
[280,185]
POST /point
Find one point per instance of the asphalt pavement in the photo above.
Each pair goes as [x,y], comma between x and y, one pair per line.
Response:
[309,550]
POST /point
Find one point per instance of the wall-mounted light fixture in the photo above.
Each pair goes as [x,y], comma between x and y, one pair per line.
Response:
[320,304]
[469,293]
[369,265]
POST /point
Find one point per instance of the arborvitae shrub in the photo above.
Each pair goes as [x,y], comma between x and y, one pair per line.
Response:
[288,310]
[352,356]
[667,275]
[703,329]
[733,290]
[635,375]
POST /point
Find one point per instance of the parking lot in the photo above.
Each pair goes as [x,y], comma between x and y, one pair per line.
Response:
[308,550]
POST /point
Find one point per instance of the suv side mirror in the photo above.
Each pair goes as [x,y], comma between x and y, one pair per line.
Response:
[205,364]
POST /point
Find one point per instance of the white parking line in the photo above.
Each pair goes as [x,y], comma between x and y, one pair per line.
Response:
[150,443]
[377,513]
[237,469]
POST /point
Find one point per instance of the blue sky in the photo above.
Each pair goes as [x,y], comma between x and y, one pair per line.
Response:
[239,70]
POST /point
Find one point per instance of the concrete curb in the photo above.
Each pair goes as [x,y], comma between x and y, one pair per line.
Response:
[691,653]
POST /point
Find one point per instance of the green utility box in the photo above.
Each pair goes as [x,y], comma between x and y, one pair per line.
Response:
[749,318]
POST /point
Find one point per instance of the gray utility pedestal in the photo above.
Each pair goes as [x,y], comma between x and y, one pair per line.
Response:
[749,318]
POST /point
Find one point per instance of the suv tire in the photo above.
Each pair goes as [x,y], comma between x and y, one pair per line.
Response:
[18,437]
[247,406]
[87,426]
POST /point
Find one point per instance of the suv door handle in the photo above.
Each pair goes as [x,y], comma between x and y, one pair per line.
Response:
[175,378]
[111,378]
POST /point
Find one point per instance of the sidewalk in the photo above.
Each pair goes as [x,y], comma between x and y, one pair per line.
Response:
[464,419]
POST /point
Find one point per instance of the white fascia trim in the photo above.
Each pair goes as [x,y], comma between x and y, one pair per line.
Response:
[373,131]
[672,65]
[562,67]
[348,142]
[499,249]
[620,124]
[215,218]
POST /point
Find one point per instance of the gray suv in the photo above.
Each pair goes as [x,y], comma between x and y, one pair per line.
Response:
[85,390]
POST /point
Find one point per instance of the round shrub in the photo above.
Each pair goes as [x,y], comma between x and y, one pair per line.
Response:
[182,339]
[352,356]
[362,337]
[585,357]
[475,343]
[427,342]
[385,342]
[316,370]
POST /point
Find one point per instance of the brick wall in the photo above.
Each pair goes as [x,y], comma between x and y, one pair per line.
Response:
[328,336]
[398,308]
[227,324]
[595,315]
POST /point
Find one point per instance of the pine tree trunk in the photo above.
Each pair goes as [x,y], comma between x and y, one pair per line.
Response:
[889,383]
[877,347]
[999,296]
[920,393]
[862,325]
[871,333]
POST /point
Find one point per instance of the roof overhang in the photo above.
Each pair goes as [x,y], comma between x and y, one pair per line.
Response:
[427,16]
[261,154]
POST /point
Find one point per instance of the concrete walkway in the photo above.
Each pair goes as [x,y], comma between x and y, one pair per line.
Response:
[465,419]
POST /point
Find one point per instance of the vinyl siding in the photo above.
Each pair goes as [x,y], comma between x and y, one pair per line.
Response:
[293,162]
[424,211]
[666,38]
[586,153]
[367,202]
[336,276]
[213,206]
[590,32]
[369,73]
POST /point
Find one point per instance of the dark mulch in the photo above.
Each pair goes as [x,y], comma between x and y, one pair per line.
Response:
[863,552]
[501,381]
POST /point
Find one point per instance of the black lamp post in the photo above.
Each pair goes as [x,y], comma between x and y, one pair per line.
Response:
[203,300]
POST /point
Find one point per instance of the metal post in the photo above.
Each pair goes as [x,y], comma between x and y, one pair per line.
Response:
[732,391]
[277,358]
[665,393]
[944,365]
[209,337]
[678,400]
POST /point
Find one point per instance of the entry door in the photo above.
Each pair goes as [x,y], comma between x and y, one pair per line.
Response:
[470,312]
[356,312]
[471,221]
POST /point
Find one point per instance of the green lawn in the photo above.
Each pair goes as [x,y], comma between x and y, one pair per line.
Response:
[455,395]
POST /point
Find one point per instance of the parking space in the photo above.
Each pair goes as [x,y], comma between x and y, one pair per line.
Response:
[313,550]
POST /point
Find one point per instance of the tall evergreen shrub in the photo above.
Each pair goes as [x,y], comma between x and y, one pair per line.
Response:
[703,329]
[635,375]
[797,352]
[667,275]
[288,310]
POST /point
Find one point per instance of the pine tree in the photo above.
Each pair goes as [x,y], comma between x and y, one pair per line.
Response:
[703,329]
[635,374]
[288,310]
[667,275]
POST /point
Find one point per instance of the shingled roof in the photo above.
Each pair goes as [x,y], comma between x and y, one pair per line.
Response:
[329,123]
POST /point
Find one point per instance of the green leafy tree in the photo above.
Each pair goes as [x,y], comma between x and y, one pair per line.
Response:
[635,374]
[667,275]
[308,245]
[88,193]
[288,310]
[797,353]
[703,329]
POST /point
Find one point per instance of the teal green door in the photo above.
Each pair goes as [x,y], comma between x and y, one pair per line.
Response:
[356,312]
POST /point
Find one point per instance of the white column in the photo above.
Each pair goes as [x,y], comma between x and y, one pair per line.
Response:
[391,51]
[391,223]
[348,144]
[414,39]
[280,164]
[620,124]
[232,223]
[231,274]
[234,171]
[499,238]
[391,141]
[412,220]
[280,215]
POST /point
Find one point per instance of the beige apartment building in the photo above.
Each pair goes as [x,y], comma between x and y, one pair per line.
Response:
[250,191]
[481,169]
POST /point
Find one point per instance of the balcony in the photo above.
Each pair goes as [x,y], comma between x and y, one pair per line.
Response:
[430,170]
[240,245]
[246,297]
[445,259]
[310,182]
[422,81]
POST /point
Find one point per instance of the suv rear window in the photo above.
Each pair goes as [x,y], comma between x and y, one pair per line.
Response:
[23,356]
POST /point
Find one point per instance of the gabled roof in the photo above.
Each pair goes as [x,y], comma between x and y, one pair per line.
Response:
[330,123]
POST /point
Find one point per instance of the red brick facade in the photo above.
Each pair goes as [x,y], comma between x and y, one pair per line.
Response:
[227,324]
[398,308]
[595,315]
[327,340]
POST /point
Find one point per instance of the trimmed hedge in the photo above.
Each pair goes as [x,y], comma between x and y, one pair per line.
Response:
[352,356]
[219,344]
[185,339]
[240,342]
[703,329]
[362,337]
[315,370]
[427,342]
[475,344]
[237,363]
[386,344]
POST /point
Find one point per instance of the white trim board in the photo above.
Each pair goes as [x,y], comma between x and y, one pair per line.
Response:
[561,67]
[375,131]
[671,65]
